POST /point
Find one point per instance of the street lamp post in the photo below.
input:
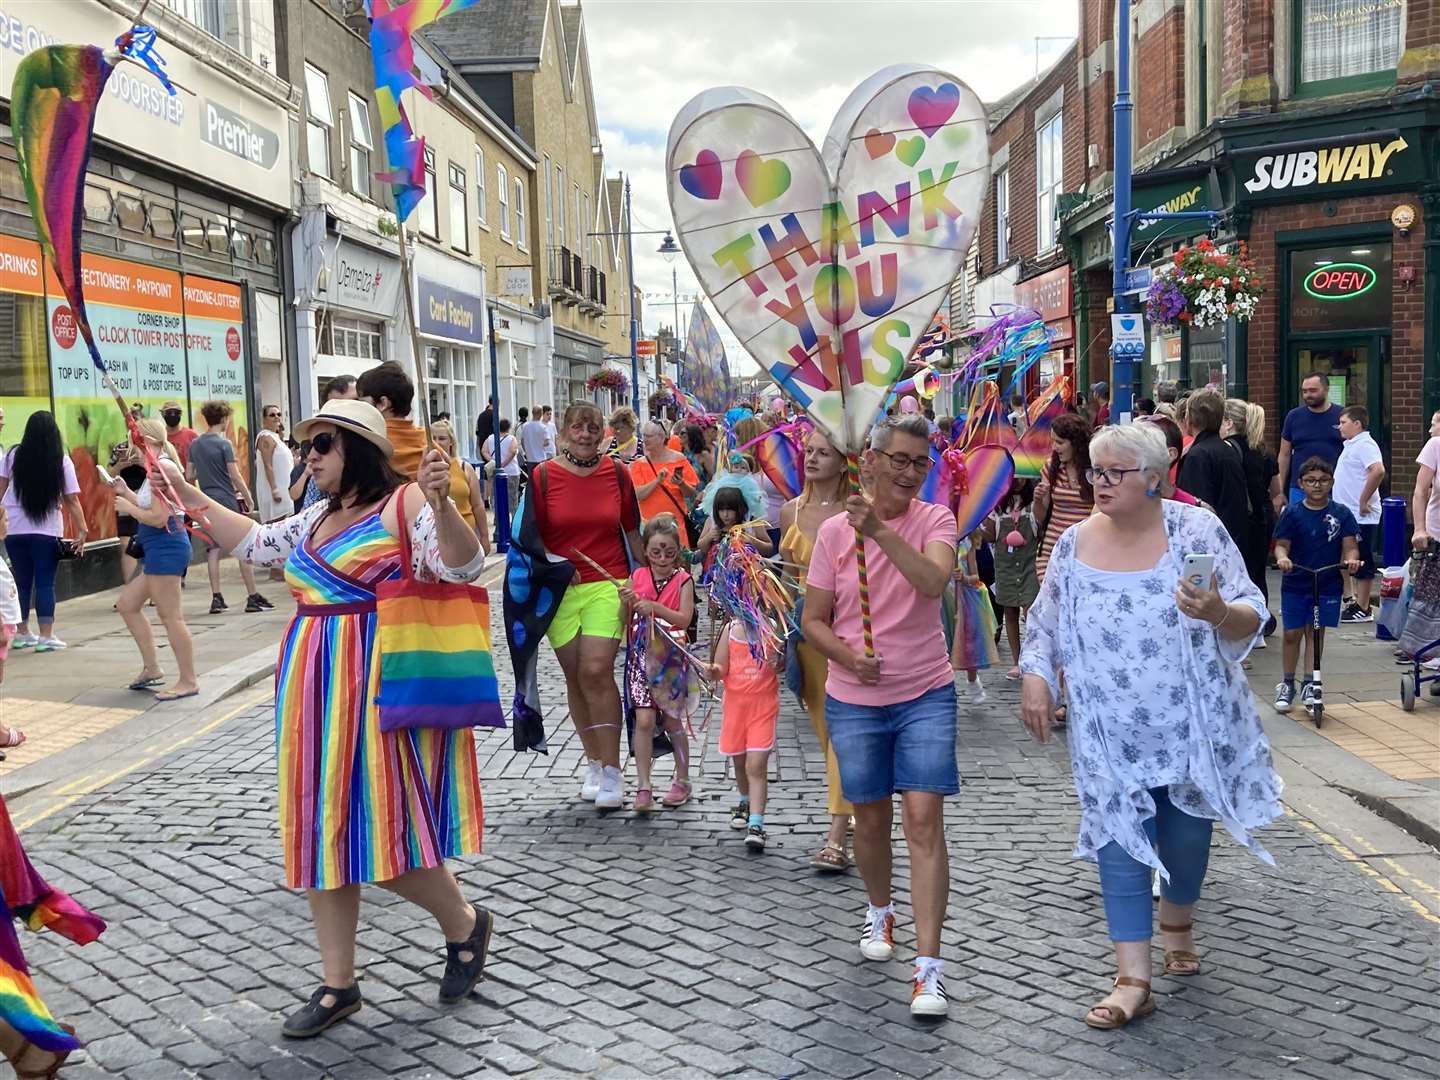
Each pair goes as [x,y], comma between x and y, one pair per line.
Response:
[634,326]
[669,249]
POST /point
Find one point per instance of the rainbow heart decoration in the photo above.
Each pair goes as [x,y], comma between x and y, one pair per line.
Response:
[910,151]
[829,265]
[762,181]
[878,143]
[930,109]
[980,477]
[705,178]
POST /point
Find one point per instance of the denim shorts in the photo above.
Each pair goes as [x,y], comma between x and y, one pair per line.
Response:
[908,746]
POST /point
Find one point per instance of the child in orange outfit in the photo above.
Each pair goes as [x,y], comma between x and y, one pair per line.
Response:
[747,724]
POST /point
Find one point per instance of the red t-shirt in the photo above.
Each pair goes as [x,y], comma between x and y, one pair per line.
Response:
[181,441]
[587,514]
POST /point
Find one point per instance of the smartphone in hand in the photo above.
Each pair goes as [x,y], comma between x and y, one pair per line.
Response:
[1199,570]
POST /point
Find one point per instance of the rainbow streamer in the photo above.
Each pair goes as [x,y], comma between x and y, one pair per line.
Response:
[936,488]
[1034,450]
[986,423]
[393,54]
[747,588]
[980,476]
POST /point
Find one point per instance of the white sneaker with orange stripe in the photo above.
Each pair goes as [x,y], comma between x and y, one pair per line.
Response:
[927,997]
[877,935]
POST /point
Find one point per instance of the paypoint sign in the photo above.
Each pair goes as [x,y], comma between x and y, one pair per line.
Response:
[1330,167]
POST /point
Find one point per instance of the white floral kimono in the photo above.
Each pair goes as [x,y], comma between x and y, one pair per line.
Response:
[1125,734]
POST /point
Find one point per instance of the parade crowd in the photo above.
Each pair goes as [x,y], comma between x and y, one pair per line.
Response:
[1123,589]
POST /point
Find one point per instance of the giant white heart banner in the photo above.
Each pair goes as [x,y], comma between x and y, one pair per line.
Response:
[829,267]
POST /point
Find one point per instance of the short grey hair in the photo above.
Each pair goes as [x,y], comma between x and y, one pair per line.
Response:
[906,424]
[1141,444]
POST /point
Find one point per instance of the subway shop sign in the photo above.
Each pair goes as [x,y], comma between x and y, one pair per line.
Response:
[1346,166]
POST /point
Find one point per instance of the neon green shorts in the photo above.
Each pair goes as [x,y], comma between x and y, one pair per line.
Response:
[592,609]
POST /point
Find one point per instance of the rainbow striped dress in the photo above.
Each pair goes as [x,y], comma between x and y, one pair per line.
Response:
[357,804]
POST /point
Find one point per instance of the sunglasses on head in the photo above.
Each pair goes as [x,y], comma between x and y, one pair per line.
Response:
[323,442]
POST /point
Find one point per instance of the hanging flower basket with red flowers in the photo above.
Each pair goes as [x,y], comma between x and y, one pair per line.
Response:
[607,379]
[1204,286]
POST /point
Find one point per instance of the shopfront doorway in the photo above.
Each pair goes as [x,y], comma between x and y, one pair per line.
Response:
[1355,366]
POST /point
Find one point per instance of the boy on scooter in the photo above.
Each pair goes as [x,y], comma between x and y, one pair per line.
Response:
[1317,531]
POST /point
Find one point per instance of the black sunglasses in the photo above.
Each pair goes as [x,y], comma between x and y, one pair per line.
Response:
[323,442]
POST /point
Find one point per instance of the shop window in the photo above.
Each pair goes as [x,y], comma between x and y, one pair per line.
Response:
[459,212]
[265,250]
[1002,217]
[24,362]
[502,185]
[361,146]
[1049,172]
[1345,287]
[99,205]
[130,213]
[429,206]
[11,186]
[162,220]
[520,213]
[319,119]
[480,185]
[192,230]
[242,245]
[217,237]
[1342,46]
[358,339]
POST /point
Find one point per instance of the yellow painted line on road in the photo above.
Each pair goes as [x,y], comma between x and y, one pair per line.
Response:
[1364,867]
[250,701]
[73,784]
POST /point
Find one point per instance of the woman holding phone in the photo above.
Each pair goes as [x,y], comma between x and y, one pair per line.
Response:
[1166,738]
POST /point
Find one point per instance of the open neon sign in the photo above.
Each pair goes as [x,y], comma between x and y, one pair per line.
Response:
[1340,281]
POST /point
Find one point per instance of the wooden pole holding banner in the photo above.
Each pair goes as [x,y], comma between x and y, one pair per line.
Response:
[422,368]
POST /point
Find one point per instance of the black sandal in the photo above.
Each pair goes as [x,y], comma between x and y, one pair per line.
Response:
[461,975]
[315,1017]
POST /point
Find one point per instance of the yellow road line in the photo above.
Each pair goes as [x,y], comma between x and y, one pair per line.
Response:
[250,701]
[1364,867]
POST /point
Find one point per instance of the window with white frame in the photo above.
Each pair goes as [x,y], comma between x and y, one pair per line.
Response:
[520,239]
[357,339]
[480,209]
[319,119]
[502,192]
[549,205]
[587,225]
[1002,217]
[580,227]
[1345,45]
[361,146]
[559,205]
[1049,169]
[459,211]
[429,206]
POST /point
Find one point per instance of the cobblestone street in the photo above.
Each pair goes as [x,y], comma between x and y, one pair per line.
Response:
[635,947]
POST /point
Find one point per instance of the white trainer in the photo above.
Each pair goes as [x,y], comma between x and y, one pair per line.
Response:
[612,789]
[977,692]
[50,644]
[877,935]
[927,997]
[591,787]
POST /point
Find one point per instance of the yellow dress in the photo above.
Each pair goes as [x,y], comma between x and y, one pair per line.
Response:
[797,548]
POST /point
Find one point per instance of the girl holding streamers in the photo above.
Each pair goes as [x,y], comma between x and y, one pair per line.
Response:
[660,601]
[745,666]
[975,628]
[1015,537]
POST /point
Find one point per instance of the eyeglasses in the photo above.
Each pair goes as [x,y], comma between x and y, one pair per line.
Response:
[1316,481]
[1111,477]
[902,462]
[272,416]
[323,443]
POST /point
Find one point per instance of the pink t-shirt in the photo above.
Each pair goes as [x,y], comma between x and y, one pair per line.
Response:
[909,637]
[1430,458]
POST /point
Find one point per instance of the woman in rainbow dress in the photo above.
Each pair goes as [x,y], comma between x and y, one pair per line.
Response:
[358,805]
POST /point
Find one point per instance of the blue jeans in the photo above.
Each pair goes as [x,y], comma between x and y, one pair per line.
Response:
[908,746]
[34,557]
[1183,844]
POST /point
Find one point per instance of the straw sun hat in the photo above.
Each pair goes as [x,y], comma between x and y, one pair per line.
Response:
[357,417]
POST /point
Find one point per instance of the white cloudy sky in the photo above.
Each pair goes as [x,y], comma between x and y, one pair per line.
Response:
[649,57]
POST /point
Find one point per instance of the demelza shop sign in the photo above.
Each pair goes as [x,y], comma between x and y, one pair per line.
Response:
[225,133]
[1328,166]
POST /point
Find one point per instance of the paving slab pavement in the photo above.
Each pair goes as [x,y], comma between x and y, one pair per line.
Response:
[633,947]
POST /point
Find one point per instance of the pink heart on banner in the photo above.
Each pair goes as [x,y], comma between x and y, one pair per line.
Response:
[931,108]
[705,178]
[980,478]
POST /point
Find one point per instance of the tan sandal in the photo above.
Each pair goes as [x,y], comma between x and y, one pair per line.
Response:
[1180,962]
[1118,1017]
[832,858]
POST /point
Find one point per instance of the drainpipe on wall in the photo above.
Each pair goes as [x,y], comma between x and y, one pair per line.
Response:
[287,313]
